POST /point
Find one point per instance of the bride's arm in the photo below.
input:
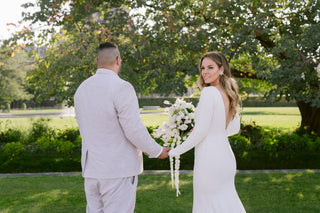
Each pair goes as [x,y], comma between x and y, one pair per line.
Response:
[234,126]
[204,112]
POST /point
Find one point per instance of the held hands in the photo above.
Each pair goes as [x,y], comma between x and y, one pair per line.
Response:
[165,153]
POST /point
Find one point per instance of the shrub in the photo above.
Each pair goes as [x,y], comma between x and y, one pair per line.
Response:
[59,150]
[8,107]
[46,144]
[306,130]
[65,147]
[78,141]
[40,128]
[270,143]
[11,135]
[69,134]
[13,149]
[314,145]
[293,142]
[253,133]
[239,144]
[24,106]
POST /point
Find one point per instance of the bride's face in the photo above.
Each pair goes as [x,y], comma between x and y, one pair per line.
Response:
[210,72]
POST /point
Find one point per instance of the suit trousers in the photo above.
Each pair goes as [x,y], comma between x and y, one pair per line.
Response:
[116,195]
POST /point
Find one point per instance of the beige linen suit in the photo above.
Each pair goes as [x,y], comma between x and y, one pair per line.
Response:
[113,135]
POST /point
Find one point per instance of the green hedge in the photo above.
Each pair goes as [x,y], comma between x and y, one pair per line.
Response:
[44,149]
[249,102]
[159,101]
[254,160]
[257,148]
[257,101]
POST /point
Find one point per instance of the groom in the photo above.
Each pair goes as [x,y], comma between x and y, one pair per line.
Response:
[113,136]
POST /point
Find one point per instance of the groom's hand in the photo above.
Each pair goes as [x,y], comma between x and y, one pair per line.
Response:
[164,153]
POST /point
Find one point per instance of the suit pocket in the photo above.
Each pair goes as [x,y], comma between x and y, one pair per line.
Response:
[133,178]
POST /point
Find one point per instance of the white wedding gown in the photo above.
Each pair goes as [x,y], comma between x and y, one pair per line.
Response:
[214,163]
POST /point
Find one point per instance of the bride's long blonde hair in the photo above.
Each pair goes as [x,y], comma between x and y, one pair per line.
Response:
[227,82]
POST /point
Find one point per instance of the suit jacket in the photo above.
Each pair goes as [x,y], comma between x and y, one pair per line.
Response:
[110,126]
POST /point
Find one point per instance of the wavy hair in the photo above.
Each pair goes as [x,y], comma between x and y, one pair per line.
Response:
[226,80]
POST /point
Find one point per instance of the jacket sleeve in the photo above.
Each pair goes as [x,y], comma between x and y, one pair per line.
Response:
[234,126]
[127,107]
[204,113]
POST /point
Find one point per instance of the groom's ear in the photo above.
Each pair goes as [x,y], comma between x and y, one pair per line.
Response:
[118,60]
[97,60]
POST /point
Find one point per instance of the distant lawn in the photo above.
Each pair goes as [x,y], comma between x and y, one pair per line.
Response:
[259,192]
[154,119]
[25,123]
[283,118]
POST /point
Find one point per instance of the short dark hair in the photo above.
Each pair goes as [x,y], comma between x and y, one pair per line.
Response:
[106,45]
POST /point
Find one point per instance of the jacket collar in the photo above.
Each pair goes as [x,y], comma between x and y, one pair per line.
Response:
[106,72]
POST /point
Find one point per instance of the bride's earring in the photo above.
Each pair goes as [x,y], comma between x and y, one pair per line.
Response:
[220,73]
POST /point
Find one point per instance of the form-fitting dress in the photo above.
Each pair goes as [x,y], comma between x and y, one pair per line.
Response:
[214,163]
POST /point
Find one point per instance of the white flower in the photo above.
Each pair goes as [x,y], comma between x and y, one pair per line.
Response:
[178,119]
[166,102]
[183,127]
[181,114]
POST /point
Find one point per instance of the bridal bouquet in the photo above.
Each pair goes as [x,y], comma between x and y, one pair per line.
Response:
[175,131]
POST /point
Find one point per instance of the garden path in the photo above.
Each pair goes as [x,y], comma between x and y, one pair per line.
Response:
[155,172]
[66,112]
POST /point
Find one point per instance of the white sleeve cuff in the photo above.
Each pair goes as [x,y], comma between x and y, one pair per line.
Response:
[159,153]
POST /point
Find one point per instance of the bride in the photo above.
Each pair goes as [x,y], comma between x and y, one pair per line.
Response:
[216,118]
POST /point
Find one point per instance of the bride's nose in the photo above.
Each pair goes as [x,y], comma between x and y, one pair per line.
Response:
[205,71]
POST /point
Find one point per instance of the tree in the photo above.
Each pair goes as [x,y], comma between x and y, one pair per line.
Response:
[13,70]
[277,41]
[282,39]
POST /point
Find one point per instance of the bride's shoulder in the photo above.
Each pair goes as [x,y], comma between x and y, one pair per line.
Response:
[210,90]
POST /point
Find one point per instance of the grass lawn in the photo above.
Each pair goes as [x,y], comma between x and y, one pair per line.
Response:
[25,123]
[282,118]
[259,192]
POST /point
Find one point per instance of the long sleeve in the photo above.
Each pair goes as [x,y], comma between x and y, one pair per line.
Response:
[204,113]
[234,126]
[127,107]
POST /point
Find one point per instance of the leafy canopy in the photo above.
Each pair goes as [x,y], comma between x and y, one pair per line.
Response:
[162,41]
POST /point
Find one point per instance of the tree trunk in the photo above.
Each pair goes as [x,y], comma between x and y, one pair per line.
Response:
[310,117]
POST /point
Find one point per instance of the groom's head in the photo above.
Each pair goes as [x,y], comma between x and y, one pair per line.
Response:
[108,56]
